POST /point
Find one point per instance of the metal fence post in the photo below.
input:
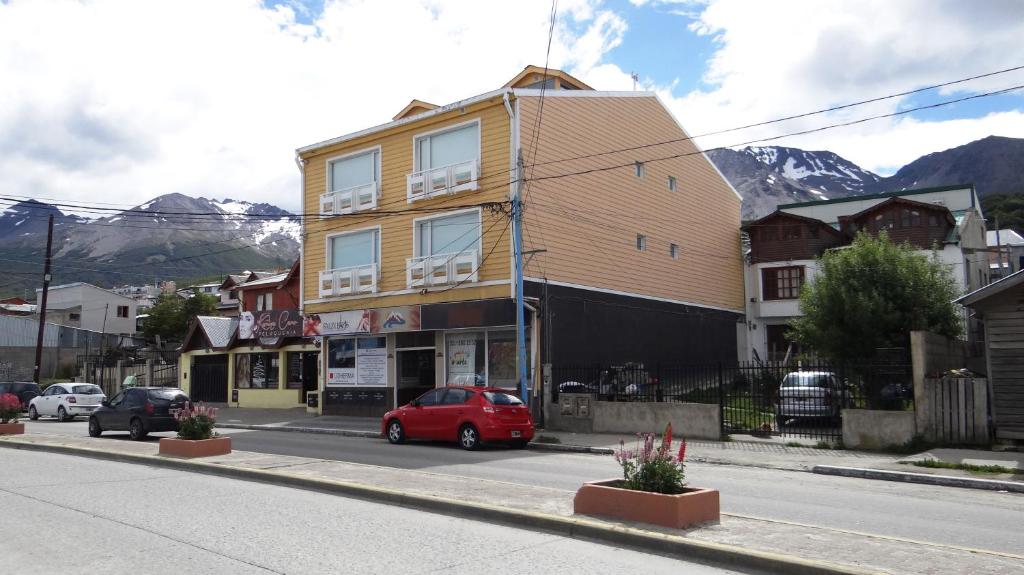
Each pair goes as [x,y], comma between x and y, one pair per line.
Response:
[721,399]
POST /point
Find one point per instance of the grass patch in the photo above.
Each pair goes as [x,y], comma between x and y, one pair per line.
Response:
[794,444]
[823,445]
[937,464]
[546,439]
[916,445]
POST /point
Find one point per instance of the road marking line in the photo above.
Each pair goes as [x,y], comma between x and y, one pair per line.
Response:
[877,536]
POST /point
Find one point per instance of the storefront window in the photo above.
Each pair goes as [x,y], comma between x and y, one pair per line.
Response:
[293,378]
[256,370]
[482,358]
[357,361]
[465,361]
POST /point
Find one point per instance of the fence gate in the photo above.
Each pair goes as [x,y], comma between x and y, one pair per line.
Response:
[209,379]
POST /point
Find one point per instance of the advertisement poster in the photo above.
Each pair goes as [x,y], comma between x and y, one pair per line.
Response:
[341,376]
[394,319]
[462,358]
[372,363]
[341,362]
[275,323]
[245,325]
[337,323]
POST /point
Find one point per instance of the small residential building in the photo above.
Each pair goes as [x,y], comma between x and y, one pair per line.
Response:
[90,308]
[279,291]
[1000,308]
[945,222]
[1006,252]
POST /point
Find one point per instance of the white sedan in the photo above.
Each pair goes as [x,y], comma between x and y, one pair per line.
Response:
[66,400]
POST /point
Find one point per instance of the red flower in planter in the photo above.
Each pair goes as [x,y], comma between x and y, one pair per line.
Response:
[10,407]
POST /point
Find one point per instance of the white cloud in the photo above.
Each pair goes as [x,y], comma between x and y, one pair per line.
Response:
[120,100]
[773,60]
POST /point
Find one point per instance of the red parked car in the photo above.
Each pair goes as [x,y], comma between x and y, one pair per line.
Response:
[469,415]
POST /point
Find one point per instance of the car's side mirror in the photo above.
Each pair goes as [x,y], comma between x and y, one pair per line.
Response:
[415,403]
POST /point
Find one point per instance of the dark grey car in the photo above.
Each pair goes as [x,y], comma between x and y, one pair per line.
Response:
[139,411]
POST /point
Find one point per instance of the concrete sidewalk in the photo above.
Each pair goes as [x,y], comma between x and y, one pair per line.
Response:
[767,545]
[769,453]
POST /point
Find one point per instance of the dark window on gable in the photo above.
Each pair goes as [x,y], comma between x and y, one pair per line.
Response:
[770,232]
[933,221]
[791,232]
[812,232]
[782,283]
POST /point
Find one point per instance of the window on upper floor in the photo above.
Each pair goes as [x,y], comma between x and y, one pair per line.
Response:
[353,249]
[74,316]
[639,169]
[910,218]
[265,302]
[448,147]
[782,282]
[933,221]
[448,234]
[352,183]
[122,311]
[671,183]
[791,232]
[812,232]
[673,251]
[352,171]
[641,242]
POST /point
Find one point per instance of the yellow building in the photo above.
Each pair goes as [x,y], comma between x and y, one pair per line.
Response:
[631,237]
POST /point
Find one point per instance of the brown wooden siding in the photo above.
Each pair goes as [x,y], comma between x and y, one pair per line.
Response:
[918,232]
[780,238]
[396,236]
[1004,333]
[588,223]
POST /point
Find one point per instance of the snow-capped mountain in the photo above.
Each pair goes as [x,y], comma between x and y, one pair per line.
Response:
[170,237]
[771,175]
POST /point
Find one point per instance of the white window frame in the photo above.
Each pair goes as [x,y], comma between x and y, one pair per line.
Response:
[416,168]
[329,250]
[673,251]
[673,184]
[641,243]
[348,155]
[417,221]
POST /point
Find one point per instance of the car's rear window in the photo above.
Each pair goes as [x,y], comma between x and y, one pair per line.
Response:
[87,390]
[806,380]
[498,398]
[169,393]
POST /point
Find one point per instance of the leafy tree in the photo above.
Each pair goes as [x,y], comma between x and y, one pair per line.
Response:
[1007,208]
[870,296]
[171,315]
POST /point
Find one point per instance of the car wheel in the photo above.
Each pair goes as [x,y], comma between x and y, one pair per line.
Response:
[32,413]
[62,414]
[469,437]
[136,431]
[94,427]
[395,432]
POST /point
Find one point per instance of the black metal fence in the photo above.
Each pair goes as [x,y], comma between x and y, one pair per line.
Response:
[802,399]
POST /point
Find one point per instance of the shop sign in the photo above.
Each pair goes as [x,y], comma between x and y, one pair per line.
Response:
[246,322]
[276,324]
[394,319]
[341,376]
[337,323]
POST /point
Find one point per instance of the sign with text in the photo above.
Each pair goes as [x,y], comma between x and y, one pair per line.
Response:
[336,323]
[277,323]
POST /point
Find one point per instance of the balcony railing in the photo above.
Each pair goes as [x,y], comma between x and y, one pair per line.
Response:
[349,200]
[442,269]
[348,281]
[441,181]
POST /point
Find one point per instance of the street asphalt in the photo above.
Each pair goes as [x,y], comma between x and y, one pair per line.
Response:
[949,516]
[74,515]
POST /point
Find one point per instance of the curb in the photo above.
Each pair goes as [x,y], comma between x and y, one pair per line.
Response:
[315,430]
[923,478]
[566,448]
[572,527]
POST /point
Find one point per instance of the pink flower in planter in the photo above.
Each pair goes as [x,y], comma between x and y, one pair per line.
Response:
[682,452]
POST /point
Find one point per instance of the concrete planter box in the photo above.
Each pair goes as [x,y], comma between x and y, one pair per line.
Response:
[195,447]
[695,505]
[12,428]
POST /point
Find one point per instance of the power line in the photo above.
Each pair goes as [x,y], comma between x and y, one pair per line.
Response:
[790,134]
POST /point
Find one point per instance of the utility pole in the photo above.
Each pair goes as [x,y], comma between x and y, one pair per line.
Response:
[517,239]
[42,302]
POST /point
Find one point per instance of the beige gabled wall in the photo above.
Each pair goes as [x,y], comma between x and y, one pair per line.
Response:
[396,145]
[588,223]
